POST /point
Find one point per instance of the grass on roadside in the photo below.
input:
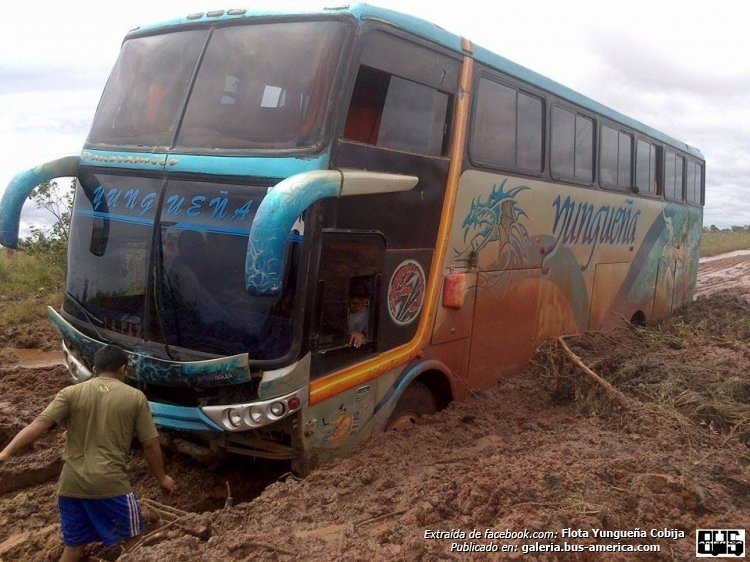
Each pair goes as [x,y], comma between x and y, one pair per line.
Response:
[714,243]
[28,283]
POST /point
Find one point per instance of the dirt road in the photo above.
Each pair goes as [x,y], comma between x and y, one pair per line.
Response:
[544,452]
[723,272]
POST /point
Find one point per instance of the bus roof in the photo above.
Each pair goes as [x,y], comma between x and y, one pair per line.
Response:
[440,36]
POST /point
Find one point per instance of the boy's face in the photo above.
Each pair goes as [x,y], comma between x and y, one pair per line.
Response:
[357,303]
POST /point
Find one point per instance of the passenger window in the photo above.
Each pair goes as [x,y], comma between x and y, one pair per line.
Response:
[572,145]
[694,183]
[614,162]
[507,127]
[646,176]
[673,176]
[396,113]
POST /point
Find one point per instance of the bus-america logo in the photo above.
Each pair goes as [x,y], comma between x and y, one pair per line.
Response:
[406,292]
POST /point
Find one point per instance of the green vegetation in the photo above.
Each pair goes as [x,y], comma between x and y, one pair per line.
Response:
[715,241]
[34,277]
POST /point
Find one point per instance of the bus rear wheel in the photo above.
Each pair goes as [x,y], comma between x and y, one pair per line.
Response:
[415,402]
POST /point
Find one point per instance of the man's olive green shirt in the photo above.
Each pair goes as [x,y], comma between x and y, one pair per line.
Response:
[103,415]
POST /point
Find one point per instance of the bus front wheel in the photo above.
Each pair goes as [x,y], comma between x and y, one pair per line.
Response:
[416,401]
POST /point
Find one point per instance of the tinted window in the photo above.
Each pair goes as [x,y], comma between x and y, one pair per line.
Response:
[263,86]
[530,124]
[625,148]
[563,145]
[572,145]
[584,147]
[507,127]
[143,98]
[608,157]
[694,183]
[614,163]
[646,177]
[494,135]
[413,118]
[673,184]
[396,113]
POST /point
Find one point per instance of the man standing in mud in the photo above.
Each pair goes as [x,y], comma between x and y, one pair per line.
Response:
[96,500]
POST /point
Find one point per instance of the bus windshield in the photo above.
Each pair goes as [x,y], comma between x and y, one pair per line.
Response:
[176,276]
[260,86]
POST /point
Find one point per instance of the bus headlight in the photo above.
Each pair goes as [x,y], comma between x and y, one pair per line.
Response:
[234,417]
[252,415]
[256,414]
[277,409]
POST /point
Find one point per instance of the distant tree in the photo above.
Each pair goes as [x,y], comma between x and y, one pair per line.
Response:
[714,228]
[52,239]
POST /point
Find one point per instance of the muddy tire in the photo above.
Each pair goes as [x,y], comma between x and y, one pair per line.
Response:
[415,402]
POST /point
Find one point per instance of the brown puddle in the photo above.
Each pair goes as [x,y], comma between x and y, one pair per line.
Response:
[35,358]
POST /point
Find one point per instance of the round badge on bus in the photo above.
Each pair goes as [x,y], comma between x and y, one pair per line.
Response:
[406,292]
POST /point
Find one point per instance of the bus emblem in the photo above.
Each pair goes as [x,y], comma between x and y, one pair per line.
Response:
[406,292]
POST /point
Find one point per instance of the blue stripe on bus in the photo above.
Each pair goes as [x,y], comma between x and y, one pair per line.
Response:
[178,226]
[114,217]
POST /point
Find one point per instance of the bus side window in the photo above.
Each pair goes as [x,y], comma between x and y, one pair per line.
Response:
[366,108]
[348,281]
[393,112]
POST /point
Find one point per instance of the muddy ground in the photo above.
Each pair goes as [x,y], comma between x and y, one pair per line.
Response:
[545,451]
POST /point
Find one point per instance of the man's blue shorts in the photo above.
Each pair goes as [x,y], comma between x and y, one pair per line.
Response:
[107,520]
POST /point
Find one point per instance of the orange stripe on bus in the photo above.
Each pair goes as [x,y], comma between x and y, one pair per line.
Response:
[342,380]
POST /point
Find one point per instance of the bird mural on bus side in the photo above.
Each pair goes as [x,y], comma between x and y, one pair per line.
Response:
[497,220]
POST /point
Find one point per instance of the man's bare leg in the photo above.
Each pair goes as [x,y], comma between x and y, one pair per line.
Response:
[72,553]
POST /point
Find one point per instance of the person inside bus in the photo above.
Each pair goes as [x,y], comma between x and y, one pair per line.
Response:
[185,277]
[358,317]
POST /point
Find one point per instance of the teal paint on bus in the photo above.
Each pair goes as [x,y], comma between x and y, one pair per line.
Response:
[246,166]
[277,213]
[361,12]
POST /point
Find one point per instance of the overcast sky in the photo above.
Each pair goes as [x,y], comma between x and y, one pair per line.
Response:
[679,67]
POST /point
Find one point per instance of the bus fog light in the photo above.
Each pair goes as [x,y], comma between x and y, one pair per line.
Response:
[256,414]
[277,409]
[234,417]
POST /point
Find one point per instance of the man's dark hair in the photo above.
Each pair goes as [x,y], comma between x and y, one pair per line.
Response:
[109,359]
[358,288]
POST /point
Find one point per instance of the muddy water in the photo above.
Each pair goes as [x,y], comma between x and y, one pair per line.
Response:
[34,358]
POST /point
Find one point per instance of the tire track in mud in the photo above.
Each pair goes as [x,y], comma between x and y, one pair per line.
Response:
[723,272]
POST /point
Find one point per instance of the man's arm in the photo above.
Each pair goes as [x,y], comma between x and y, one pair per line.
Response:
[27,436]
[152,452]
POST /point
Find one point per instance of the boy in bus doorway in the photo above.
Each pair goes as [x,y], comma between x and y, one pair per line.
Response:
[358,318]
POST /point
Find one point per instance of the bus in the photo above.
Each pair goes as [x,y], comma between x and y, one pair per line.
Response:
[306,228]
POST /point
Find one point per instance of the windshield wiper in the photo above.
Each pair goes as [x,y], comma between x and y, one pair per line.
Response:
[88,316]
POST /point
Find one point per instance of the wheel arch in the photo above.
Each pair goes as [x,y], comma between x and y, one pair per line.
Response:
[432,373]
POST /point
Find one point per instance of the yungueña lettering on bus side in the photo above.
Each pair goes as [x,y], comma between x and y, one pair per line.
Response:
[576,223]
[175,203]
[581,223]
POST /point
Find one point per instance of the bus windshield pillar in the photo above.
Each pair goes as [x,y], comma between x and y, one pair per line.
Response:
[21,186]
